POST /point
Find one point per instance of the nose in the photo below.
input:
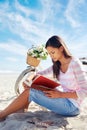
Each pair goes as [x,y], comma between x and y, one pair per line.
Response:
[52,56]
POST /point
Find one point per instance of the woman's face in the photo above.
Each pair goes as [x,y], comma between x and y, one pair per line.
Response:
[55,53]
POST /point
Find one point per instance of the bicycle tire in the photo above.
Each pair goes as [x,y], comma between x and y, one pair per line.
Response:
[20,78]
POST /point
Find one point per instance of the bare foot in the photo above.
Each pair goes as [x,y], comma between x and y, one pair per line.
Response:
[2,117]
[20,111]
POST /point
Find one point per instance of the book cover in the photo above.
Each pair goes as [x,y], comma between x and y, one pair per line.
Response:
[43,83]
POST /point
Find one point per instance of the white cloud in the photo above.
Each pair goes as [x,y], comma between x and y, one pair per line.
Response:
[33,31]
[12,59]
[50,9]
[22,26]
[21,8]
[78,48]
[13,47]
[40,29]
[73,11]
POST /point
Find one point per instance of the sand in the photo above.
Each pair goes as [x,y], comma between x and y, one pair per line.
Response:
[36,116]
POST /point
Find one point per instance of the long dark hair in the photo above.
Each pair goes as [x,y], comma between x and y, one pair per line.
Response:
[57,42]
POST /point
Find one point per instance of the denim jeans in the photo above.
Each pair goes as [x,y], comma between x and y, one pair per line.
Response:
[62,106]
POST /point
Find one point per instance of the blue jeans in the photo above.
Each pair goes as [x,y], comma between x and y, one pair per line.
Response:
[62,106]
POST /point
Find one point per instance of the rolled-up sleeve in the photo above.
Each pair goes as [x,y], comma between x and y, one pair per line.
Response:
[48,71]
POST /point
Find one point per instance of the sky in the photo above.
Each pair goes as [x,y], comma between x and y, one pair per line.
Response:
[24,23]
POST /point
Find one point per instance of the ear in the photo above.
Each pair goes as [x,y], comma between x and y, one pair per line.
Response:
[61,48]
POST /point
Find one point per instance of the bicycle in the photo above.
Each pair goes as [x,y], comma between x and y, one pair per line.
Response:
[33,67]
[23,76]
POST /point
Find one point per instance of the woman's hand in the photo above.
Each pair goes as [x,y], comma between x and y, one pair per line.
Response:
[53,93]
[59,94]
[25,84]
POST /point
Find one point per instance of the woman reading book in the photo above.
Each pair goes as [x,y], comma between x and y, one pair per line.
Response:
[69,72]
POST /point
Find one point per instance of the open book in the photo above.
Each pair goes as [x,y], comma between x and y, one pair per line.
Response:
[43,83]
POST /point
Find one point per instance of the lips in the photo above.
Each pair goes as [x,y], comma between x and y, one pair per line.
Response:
[54,59]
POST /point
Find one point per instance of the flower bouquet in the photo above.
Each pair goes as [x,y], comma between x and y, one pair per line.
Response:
[35,54]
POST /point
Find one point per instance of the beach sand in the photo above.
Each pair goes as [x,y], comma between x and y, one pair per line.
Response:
[36,116]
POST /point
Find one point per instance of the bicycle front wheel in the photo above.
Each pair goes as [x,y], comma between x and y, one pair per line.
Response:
[18,84]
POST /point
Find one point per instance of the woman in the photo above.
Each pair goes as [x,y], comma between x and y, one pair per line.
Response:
[68,70]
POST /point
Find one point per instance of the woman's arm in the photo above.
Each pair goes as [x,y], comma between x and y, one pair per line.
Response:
[69,95]
[48,71]
[59,94]
[81,78]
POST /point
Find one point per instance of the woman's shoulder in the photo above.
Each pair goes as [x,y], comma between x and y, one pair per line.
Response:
[76,60]
[76,63]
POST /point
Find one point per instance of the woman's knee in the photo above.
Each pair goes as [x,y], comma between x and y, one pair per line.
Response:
[26,91]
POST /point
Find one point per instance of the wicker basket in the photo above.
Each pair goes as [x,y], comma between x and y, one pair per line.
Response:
[32,61]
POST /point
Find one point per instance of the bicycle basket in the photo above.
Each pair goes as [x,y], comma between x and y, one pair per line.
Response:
[32,61]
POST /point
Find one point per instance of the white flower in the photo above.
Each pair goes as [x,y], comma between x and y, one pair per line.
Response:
[38,52]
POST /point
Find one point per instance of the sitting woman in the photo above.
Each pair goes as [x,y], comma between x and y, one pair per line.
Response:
[66,69]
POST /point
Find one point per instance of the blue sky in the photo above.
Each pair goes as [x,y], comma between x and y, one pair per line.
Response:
[27,22]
